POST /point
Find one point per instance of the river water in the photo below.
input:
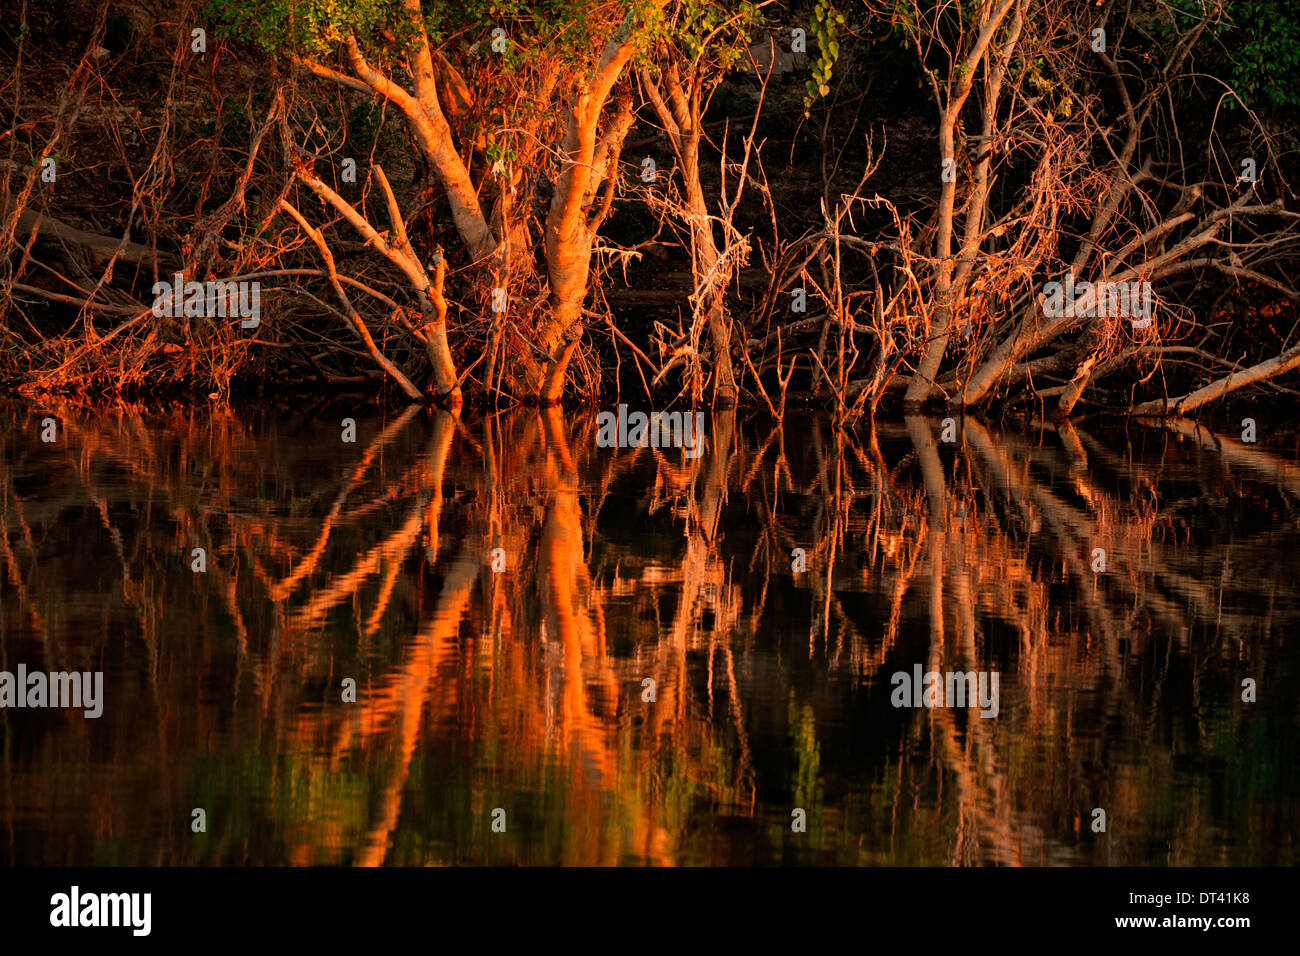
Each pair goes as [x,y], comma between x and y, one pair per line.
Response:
[569,654]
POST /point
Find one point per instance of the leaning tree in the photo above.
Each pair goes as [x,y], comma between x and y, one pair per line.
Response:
[1087,141]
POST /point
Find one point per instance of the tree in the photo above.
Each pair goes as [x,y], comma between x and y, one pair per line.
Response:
[507,104]
[1058,164]
[706,40]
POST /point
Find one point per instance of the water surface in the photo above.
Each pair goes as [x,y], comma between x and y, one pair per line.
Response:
[523,689]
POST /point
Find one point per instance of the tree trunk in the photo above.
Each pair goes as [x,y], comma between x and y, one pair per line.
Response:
[568,235]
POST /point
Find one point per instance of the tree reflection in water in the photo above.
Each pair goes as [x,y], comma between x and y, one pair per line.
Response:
[523,689]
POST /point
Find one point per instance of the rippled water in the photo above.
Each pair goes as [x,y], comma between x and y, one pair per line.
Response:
[523,690]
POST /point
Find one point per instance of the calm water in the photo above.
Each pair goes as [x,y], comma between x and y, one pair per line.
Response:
[523,689]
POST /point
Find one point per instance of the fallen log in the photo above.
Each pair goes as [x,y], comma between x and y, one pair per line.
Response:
[101,248]
[1173,407]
